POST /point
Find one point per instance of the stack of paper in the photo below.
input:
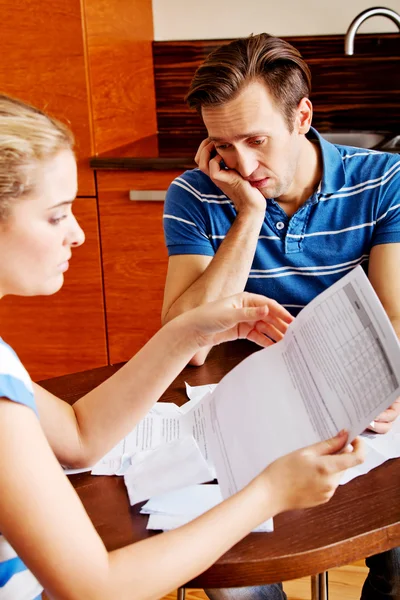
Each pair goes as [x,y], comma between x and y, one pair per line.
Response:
[177,508]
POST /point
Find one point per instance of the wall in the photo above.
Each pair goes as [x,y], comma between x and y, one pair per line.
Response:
[210,19]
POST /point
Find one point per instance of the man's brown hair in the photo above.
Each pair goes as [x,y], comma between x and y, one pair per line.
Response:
[229,68]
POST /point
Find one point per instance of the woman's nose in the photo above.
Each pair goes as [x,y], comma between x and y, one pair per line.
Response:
[77,236]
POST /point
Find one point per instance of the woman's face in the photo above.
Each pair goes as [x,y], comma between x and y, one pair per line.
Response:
[40,230]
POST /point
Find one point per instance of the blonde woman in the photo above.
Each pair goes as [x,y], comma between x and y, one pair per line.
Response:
[40,513]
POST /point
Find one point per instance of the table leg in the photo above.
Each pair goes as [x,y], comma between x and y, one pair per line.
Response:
[181,594]
[319,586]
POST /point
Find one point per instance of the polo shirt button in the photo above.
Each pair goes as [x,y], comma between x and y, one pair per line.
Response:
[280,225]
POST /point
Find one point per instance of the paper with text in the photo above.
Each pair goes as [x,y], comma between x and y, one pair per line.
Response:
[161,425]
[337,367]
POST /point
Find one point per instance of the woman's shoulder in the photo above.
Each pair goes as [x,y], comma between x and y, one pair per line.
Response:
[15,383]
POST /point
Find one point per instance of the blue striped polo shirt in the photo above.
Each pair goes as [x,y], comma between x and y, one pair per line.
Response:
[16,581]
[356,206]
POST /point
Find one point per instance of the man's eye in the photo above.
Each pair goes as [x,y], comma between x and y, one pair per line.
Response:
[258,142]
[223,146]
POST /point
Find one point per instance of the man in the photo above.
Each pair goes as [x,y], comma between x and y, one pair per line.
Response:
[275,209]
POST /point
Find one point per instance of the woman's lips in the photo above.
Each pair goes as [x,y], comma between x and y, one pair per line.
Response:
[64,266]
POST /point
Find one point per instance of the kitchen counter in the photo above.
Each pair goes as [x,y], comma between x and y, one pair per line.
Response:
[152,153]
[158,153]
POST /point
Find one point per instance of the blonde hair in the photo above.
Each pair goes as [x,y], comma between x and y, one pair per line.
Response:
[27,136]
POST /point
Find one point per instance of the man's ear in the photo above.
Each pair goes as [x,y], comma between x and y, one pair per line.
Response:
[303,118]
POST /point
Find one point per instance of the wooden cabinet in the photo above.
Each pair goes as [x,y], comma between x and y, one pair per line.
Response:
[134,258]
[119,35]
[65,332]
[88,63]
[43,63]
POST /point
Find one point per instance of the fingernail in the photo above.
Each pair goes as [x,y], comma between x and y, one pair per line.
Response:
[341,432]
[372,425]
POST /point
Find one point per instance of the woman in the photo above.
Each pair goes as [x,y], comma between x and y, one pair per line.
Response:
[40,513]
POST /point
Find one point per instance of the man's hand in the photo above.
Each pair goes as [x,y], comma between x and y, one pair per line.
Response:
[384,422]
[242,316]
[245,198]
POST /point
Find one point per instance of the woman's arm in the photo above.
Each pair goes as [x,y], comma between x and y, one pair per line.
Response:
[43,519]
[80,435]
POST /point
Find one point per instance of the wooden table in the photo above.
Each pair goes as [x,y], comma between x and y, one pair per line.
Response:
[363,517]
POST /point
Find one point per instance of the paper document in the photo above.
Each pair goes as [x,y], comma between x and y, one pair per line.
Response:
[177,508]
[337,367]
[161,425]
[378,449]
[165,468]
[196,393]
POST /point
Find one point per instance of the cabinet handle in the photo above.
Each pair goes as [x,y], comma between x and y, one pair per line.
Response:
[147,195]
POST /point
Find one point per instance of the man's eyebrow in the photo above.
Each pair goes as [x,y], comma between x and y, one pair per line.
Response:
[241,136]
[64,203]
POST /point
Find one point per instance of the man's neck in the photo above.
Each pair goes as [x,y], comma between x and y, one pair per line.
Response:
[307,178]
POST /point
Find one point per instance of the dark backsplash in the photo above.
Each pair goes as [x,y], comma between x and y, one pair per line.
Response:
[360,92]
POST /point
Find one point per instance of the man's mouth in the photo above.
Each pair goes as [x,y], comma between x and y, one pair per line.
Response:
[260,183]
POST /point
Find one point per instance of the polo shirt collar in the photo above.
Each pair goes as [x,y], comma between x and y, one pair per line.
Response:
[333,174]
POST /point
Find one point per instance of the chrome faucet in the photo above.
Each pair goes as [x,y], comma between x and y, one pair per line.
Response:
[366,14]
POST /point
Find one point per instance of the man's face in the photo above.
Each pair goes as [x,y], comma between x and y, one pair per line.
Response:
[252,136]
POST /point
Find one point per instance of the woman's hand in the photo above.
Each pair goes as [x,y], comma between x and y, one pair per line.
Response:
[309,476]
[242,316]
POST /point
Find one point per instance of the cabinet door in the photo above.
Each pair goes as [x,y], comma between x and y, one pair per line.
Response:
[43,63]
[63,333]
[134,258]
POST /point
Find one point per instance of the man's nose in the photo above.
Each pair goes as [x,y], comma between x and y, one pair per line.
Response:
[246,163]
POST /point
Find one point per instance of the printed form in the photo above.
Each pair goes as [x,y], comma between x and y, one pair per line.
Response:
[337,367]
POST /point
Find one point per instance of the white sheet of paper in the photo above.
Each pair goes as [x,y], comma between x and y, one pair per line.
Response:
[76,471]
[168,522]
[160,426]
[378,449]
[167,467]
[196,393]
[335,368]
[189,501]
[173,509]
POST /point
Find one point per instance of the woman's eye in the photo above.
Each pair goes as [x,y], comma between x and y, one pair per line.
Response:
[57,220]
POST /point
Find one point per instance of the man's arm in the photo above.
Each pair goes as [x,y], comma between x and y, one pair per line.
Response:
[193,280]
[384,275]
